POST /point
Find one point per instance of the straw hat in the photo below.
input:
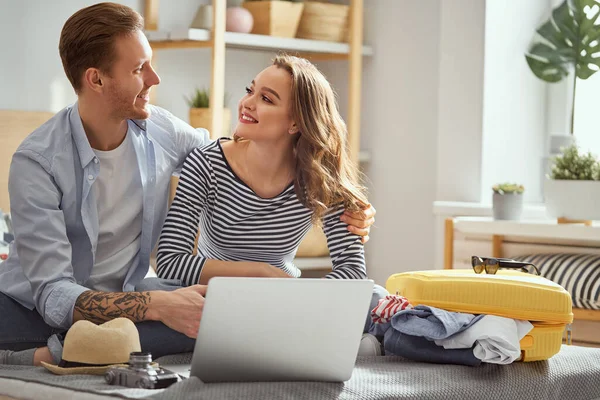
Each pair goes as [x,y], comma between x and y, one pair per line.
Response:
[92,349]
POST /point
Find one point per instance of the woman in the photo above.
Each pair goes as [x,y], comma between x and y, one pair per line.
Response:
[256,196]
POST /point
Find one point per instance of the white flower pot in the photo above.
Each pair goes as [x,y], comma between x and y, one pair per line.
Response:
[572,199]
[507,206]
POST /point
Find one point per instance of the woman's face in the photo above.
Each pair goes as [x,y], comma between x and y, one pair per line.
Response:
[264,112]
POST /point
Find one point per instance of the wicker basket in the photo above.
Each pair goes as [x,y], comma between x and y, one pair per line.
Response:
[324,21]
[201,118]
[275,17]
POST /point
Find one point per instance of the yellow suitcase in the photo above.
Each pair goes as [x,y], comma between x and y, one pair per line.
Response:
[511,294]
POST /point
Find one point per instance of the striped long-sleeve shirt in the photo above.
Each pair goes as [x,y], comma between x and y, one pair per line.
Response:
[238,225]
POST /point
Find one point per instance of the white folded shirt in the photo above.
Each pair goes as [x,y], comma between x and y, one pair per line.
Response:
[496,339]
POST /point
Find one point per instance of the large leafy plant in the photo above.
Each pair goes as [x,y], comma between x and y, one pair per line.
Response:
[569,42]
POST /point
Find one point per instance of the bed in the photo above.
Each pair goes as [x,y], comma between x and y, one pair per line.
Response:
[574,374]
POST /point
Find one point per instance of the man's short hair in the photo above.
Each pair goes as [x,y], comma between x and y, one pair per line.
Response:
[88,38]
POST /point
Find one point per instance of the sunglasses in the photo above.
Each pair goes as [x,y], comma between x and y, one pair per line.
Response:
[492,265]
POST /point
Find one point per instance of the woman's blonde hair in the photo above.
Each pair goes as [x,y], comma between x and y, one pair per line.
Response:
[325,175]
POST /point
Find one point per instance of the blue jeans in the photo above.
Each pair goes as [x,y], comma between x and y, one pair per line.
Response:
[21,328]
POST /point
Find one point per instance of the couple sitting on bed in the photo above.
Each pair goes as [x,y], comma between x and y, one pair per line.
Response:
[89,193]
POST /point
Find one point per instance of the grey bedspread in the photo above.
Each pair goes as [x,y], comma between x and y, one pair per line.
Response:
[573,374]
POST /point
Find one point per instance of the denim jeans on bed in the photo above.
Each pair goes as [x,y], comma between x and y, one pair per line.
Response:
[21,328]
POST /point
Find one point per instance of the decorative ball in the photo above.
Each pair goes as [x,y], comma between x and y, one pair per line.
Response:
[238,19]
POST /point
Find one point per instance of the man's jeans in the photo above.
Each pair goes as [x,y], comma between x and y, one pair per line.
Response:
[21,328]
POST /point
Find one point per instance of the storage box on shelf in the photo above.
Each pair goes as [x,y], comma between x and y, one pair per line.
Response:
[274,17]
[324,21]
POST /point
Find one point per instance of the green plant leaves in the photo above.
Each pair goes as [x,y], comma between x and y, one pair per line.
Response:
[572,165]
[201,99]
[569,40]
[508,188]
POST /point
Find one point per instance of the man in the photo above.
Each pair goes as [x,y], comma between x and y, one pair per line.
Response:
[89,192]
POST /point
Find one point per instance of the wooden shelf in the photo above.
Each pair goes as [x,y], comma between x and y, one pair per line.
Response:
[202,38]
[312,263]
[543,229]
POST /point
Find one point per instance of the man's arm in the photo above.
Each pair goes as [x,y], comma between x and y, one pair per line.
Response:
[180,310]
[41,240]
[185,137]
[99,307]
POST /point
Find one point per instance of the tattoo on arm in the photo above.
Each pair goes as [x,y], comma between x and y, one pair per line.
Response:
[99,307]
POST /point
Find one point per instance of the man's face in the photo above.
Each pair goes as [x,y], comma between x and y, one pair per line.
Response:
[131,77]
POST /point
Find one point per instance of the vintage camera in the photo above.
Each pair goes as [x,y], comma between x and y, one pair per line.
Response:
[140,374]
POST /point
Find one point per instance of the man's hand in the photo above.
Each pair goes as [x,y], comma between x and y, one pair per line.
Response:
[360,222]
[180,309]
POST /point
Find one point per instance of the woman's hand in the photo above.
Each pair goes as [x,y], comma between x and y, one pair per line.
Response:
[360,222]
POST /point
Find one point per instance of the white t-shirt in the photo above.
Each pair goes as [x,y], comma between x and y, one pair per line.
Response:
[119,199]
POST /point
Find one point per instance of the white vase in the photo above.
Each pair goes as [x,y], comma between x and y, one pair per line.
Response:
[570,199]
[238,19]
[507,206]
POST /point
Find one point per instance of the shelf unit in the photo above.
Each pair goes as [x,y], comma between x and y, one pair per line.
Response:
[217,40]
[190,38]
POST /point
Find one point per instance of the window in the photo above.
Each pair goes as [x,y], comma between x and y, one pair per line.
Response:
[587,114]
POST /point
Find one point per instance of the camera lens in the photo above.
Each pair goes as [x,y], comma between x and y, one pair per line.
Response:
[140,359]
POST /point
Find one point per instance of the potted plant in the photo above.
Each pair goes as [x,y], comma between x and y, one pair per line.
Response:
[507,201]
[200,115]
[567,43]
[275,17]
[573,188]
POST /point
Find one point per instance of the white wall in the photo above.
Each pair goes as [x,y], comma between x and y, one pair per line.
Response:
[587,127]
[514,102]
[399,128]
[460,103]
[31,74]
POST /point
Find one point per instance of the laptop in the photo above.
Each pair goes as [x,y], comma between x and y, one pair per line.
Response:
[278,329]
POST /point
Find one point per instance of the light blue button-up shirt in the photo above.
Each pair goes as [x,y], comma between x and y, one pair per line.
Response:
[54,211]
